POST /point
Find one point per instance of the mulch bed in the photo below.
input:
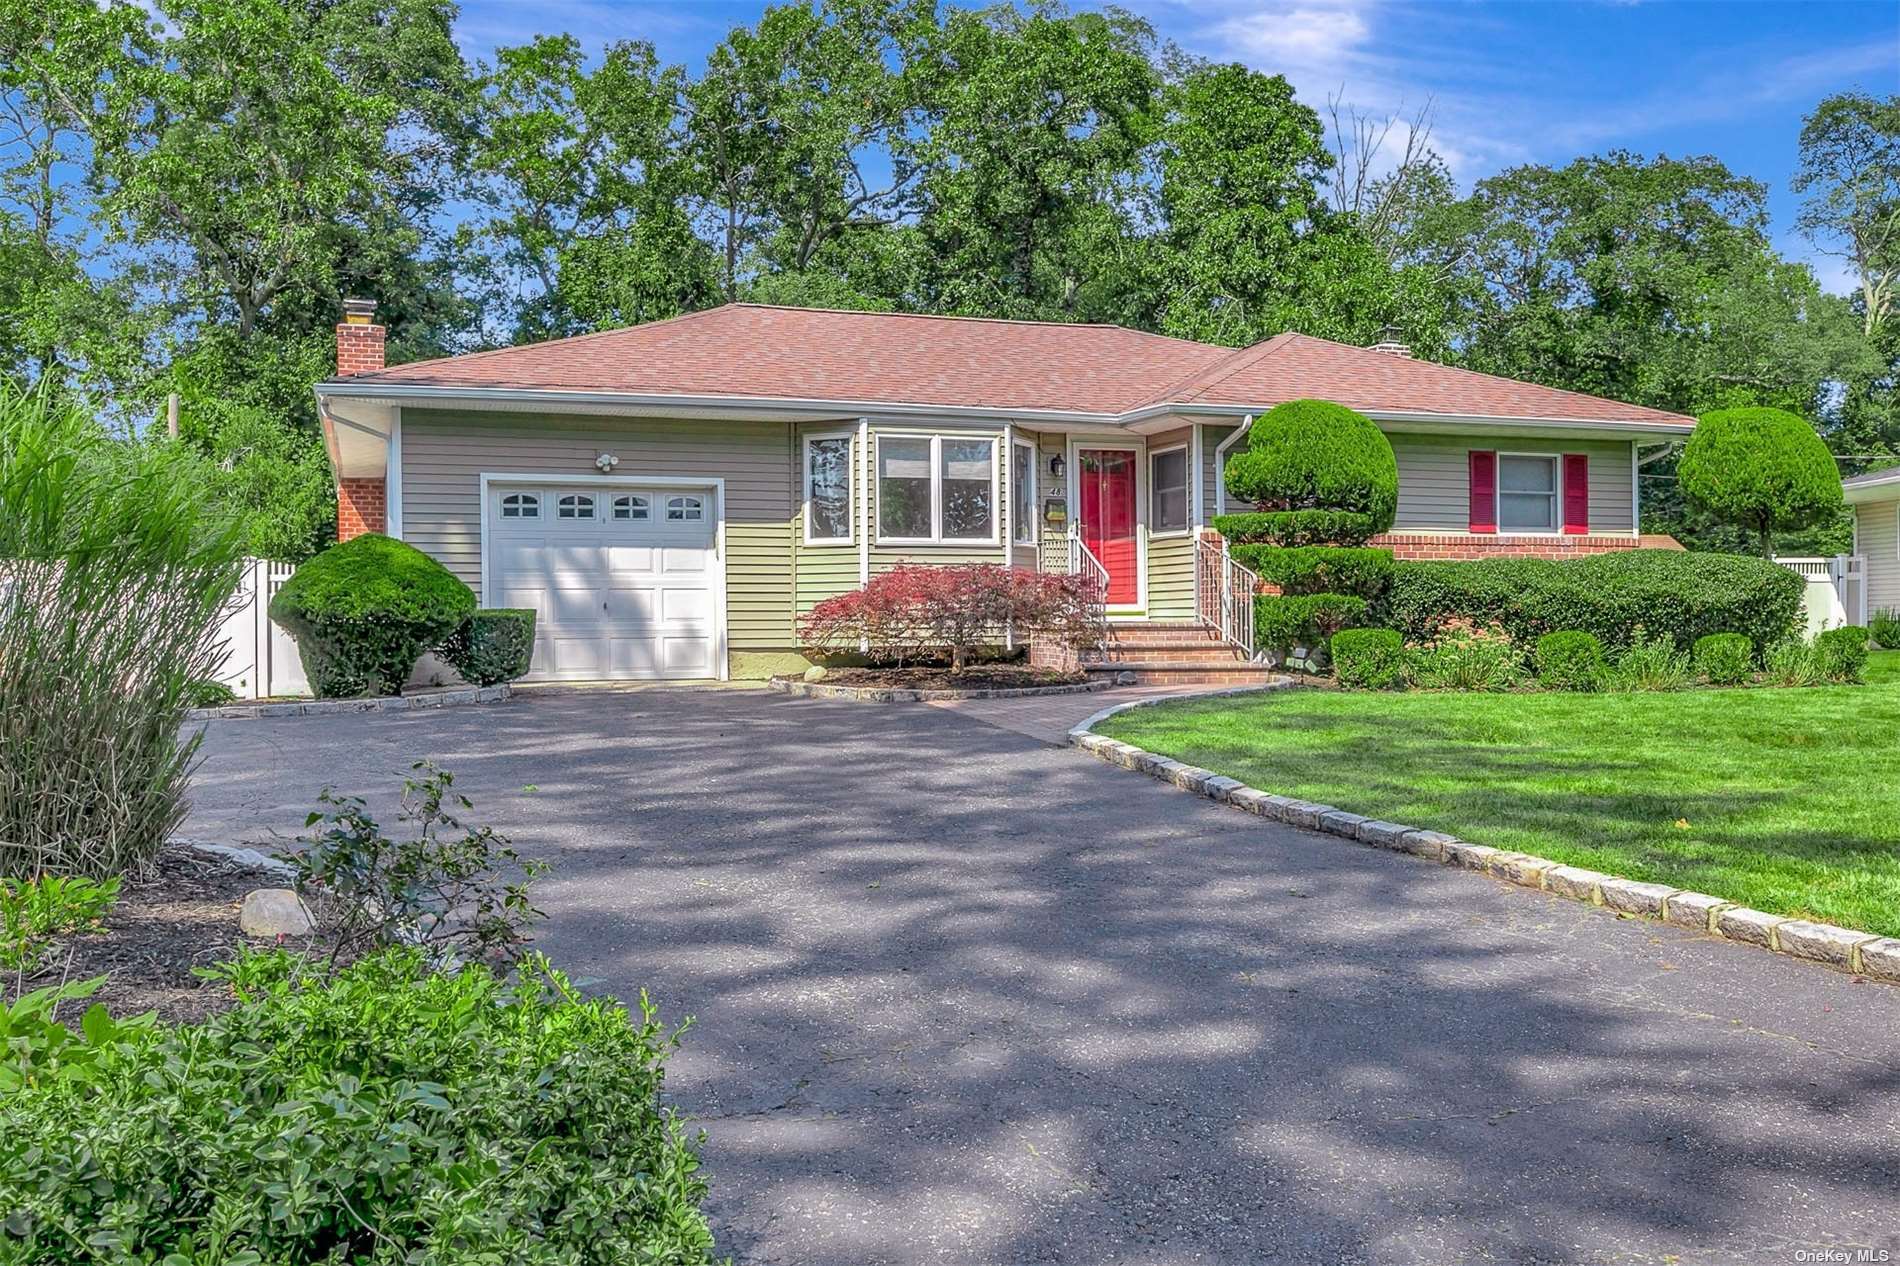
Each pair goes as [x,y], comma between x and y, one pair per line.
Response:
[977,677]
[183,915]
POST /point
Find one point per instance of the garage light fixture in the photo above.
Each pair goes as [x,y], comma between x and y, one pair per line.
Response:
[606,462]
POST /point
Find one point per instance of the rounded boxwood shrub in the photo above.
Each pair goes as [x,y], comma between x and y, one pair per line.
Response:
[391,1114]
[1282,623]
[1681,596]
[1317,455]
[495,644]
[1569,659]
[1725,659]
[1766,470]
[1302,569]
[364,611]
[1293,528]
[1840,655]
[1368,659]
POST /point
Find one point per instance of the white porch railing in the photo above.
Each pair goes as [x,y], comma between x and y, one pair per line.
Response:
[1837,590]
[1224,593]
[1082,562]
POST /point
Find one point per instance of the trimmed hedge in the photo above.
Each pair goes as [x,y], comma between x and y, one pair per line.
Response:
[1369,659]
[1317,455]
[1570,659]
[1678,595]
[495,644]
[1725,659]
[1840,654]
[390,1114]
[1282,622]
[1293,528]
[364,611]
[1303,569]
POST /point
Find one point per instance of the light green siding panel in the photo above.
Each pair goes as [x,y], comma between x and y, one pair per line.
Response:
[1171,578]
[1435,479]
[445,453]
[1877,526]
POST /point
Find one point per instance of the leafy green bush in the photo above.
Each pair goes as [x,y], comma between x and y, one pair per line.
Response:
[495,644]
[117,574]
[1317,455]
[364,611]
[1292,528]
[1841,654]
[1304,569]
[391,1114]
[1793,662]
[207,693]
[1679,595]
[1884,627]
[1724,658]
[1569,659]
[1282,623]
[1368,659]
[1467,659]
[1764,469]
[1650,663]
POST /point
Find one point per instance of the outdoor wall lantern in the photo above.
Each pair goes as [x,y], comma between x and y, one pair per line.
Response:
[606,462]
[1057,465]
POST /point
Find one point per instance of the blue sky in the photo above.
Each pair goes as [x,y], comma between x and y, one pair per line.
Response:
[1509,82]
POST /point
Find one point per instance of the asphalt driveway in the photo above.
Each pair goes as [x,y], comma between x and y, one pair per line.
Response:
[963,997]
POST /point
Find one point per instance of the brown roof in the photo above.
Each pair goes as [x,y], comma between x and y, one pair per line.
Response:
[747,351]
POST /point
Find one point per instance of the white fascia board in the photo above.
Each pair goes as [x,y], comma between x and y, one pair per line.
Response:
[1878,487]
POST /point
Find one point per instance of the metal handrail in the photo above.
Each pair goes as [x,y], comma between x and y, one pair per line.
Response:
[1224,593]
[1082,562]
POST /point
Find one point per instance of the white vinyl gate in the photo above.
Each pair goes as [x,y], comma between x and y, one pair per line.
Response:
[261,659]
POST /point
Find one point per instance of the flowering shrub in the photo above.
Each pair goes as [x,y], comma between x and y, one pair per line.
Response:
[914,612]
[1468,657]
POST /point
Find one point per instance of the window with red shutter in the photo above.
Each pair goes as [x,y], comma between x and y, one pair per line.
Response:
[1484,492]
[1576,494]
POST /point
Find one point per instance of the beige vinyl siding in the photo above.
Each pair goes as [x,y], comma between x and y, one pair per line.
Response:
[1877,540]
[824,571]
[1435,479]
[445,453]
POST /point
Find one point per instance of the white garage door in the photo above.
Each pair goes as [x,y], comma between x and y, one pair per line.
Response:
[624,580]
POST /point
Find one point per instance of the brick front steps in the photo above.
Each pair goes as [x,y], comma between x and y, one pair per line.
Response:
[1172,653]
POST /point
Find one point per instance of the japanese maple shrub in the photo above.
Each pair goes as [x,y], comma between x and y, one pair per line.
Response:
[949,613]
[1325,481]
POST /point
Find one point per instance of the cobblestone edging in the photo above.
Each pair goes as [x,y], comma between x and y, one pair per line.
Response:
[1863,954]
[460,696]
[899,694]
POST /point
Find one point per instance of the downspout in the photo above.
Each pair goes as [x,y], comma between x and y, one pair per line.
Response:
[1220,454]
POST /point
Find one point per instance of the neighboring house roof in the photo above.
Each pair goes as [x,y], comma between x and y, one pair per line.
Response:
[748,351]
[1875,485]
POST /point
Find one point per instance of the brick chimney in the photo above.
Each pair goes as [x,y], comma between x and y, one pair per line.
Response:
[359,341]
[361,503]
[1392,343]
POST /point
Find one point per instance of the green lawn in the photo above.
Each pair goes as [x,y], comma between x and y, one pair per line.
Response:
[1883,668]
[1785,800]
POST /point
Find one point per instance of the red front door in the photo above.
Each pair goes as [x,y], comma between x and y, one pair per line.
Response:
[1106,482]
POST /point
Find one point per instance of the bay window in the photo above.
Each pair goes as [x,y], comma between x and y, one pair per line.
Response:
[1022,493]
[828,490]
[936,489]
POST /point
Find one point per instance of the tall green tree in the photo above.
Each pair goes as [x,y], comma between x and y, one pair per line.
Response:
[1850,171]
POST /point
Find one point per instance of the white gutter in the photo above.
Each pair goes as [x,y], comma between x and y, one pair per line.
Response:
[1874,487]
[1220,453]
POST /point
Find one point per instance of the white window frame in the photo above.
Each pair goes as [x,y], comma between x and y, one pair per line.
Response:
[527,505]
[1023,533]
[693,513]
[1556,461]
[642,513]
[582,501]
[937,537]
[1187,492]
[850,486]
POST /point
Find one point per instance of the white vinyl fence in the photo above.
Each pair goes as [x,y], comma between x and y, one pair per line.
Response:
[1837,590]
[262,659]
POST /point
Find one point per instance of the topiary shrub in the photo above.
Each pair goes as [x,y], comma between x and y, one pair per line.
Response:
[388,1114]
[1766,470]
[1840,655]
[1569,659]
[1368,659]
[1679,595]
[1302,569]
[1293,528]
[1725,659]
[1283,623]
[1884,627]
[1317,455]
[495,644]
[363,611]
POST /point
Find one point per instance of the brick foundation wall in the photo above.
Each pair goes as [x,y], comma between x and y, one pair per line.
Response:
[361,506]
[1427,545]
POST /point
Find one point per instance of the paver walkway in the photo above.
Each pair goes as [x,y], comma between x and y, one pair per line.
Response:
[961,997]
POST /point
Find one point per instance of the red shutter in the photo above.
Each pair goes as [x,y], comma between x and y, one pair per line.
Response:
[1484,492]
[1576,494]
